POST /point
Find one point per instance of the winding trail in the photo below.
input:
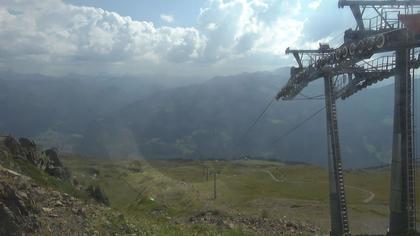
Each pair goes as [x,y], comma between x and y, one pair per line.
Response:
[272,176]
[366,200]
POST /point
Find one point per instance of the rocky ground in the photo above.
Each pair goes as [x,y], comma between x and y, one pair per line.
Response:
[36,205]
[258,225]
[28,209]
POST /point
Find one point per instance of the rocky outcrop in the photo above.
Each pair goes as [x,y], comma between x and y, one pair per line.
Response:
[17,208]
[27,150]
[27,144]
[54,165]
[29,209]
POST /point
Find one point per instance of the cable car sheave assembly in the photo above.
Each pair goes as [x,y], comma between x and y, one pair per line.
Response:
[344,59]
[380,47]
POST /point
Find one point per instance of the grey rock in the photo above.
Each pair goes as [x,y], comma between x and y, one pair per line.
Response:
[98,194]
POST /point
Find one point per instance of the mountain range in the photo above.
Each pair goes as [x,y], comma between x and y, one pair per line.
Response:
[160,118]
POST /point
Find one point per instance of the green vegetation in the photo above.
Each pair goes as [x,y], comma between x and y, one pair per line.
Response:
[167,197]
[146,197]
[159,193]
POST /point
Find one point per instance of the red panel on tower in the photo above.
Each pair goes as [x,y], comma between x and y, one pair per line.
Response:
[412,22]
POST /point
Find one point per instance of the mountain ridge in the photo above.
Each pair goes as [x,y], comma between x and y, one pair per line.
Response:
[118,119]
[217,112]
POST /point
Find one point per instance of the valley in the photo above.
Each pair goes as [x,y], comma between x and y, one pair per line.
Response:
[175,191]
[153,149]
[209,118]
[154,119]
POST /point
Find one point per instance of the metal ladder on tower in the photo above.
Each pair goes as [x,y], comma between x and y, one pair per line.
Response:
[338,177]
[411,163]
[339,174]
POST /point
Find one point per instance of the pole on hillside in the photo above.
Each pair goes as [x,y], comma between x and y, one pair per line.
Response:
[214,185]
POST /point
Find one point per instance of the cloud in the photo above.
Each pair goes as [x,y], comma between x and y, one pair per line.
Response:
[314,4]
[327,22]
[167,18]
[230,36]
[211,26]
[241,28]
[51,33]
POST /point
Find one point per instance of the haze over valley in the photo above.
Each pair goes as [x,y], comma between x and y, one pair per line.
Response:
[209,117]
[126,117]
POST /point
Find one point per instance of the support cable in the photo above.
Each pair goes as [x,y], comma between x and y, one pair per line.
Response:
[258,118]
[253,125]
[318,97]
[334,41]
[297,126]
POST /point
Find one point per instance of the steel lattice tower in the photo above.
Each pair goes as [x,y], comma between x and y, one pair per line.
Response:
[394,31]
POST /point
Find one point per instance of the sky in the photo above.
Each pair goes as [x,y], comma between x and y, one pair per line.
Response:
[173,37]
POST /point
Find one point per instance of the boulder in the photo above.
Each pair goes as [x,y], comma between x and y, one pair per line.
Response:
[54,166]
[52,155]
[59,172]
[97,193]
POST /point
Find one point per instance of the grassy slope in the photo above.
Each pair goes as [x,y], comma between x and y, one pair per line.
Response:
[179,190]
[134,193]
[117,182]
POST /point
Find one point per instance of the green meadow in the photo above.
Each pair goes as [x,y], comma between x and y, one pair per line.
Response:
[164,195]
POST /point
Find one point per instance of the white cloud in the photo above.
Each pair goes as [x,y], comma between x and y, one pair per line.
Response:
[51,36]
[240,28]
[52,33]
[167,18]
[314,4]
[211,26]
